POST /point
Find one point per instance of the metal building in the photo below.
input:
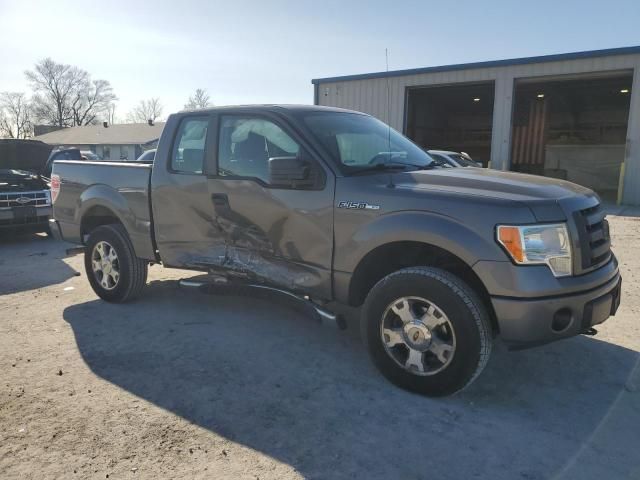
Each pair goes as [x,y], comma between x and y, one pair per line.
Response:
[574,116]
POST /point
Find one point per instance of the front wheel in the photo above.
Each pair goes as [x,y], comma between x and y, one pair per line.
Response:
[113,270]
[426,330]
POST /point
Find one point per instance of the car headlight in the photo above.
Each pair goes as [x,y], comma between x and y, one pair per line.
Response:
[538,244]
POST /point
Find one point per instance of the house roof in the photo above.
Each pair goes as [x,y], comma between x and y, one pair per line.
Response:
[493,63]
[118,134]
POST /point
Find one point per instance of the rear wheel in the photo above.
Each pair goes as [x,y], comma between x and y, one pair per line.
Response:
[426,330]
[113,270]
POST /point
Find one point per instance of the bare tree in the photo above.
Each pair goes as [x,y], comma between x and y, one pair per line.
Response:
[15,115]
[200,99]
[91,100]
[3,118]
[146,110]
[65,95]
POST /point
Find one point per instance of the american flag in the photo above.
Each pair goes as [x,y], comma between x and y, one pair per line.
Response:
[527,146]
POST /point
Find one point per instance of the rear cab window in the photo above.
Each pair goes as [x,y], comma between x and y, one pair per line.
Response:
[189,145]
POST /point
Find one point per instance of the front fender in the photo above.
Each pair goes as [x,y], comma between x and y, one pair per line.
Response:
[419,226]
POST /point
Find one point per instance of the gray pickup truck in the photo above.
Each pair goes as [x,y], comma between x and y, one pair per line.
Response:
[334,206]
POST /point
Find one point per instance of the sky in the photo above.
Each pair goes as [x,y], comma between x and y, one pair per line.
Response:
[268,51]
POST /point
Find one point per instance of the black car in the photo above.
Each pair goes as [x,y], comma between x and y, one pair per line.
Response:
[25,198]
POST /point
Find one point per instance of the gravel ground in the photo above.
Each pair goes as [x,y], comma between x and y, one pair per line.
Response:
[185,385]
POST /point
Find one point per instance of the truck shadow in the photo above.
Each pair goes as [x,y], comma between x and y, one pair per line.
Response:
[264,376]
[17,251]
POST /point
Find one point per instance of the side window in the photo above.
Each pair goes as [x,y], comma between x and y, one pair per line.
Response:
[246,144]
[188,148]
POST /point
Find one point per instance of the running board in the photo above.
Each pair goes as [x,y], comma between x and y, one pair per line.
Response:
[324,316]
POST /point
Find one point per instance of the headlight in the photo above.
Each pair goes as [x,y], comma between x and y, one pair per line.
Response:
[538,244]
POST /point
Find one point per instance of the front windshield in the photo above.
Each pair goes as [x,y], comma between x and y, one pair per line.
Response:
[359,141]
[91,156]
[464,161]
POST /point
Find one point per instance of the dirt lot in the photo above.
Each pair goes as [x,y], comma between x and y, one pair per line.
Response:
[185,385]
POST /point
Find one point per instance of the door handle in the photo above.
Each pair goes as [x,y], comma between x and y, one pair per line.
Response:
[220,199]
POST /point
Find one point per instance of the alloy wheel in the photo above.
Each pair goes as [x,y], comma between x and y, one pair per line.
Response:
[105,265]
[418,335]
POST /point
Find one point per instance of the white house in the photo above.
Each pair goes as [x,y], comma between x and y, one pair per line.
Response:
[124,141]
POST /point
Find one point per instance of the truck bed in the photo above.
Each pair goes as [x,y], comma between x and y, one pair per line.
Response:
[118,189]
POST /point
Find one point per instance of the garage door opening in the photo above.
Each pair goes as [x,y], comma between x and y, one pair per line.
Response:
[572,129]
[453,117]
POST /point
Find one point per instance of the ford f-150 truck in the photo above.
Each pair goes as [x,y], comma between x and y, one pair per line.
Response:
[334,206]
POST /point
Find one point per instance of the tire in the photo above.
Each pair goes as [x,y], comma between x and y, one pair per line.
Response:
[450,355]
[132,271]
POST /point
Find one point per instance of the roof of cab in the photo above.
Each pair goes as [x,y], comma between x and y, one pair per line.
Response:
[271,108]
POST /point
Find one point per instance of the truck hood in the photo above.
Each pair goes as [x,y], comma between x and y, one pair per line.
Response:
[25,155]
[545,196]
[491,183]
[20,181]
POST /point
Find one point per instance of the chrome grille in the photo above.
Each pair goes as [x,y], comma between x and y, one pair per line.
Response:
[25,199]
[595,240]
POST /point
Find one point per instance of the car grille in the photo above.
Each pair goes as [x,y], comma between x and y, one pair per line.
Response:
[595,240]
[23,221]
[24,199]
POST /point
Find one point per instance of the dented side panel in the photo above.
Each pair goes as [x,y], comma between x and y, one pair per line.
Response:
[276,236]
[284,237]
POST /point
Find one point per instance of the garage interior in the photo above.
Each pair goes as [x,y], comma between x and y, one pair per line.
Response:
[452,117]
[572,128]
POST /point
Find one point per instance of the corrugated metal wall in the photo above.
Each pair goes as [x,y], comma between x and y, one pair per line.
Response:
[370,96]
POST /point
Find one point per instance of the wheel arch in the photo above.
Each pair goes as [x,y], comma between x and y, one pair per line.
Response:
[96,216]
[394,256]
[101,205]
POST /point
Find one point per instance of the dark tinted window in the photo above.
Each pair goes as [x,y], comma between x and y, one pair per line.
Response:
[464,161]
[247,143]
[147,156]
[442,159]
[67,155]
[90,156]
[189,146]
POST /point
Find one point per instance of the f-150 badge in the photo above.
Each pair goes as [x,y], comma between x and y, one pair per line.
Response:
[358,205]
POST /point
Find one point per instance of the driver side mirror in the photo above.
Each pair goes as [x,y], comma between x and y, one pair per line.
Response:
[292,172]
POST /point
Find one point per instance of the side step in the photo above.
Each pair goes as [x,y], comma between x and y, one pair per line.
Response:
[218,284]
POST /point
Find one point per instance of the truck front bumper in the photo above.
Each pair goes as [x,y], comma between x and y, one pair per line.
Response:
[527,321]
[25,218]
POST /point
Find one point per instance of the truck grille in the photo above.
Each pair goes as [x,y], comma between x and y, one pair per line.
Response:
[24,221]
[595,241]
[24,199]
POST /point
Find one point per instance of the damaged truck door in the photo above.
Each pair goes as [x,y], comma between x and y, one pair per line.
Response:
[243,194]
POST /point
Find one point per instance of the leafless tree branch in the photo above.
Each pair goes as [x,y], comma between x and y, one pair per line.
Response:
[146,110]
[15,115]
[66,96]
[200,99]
